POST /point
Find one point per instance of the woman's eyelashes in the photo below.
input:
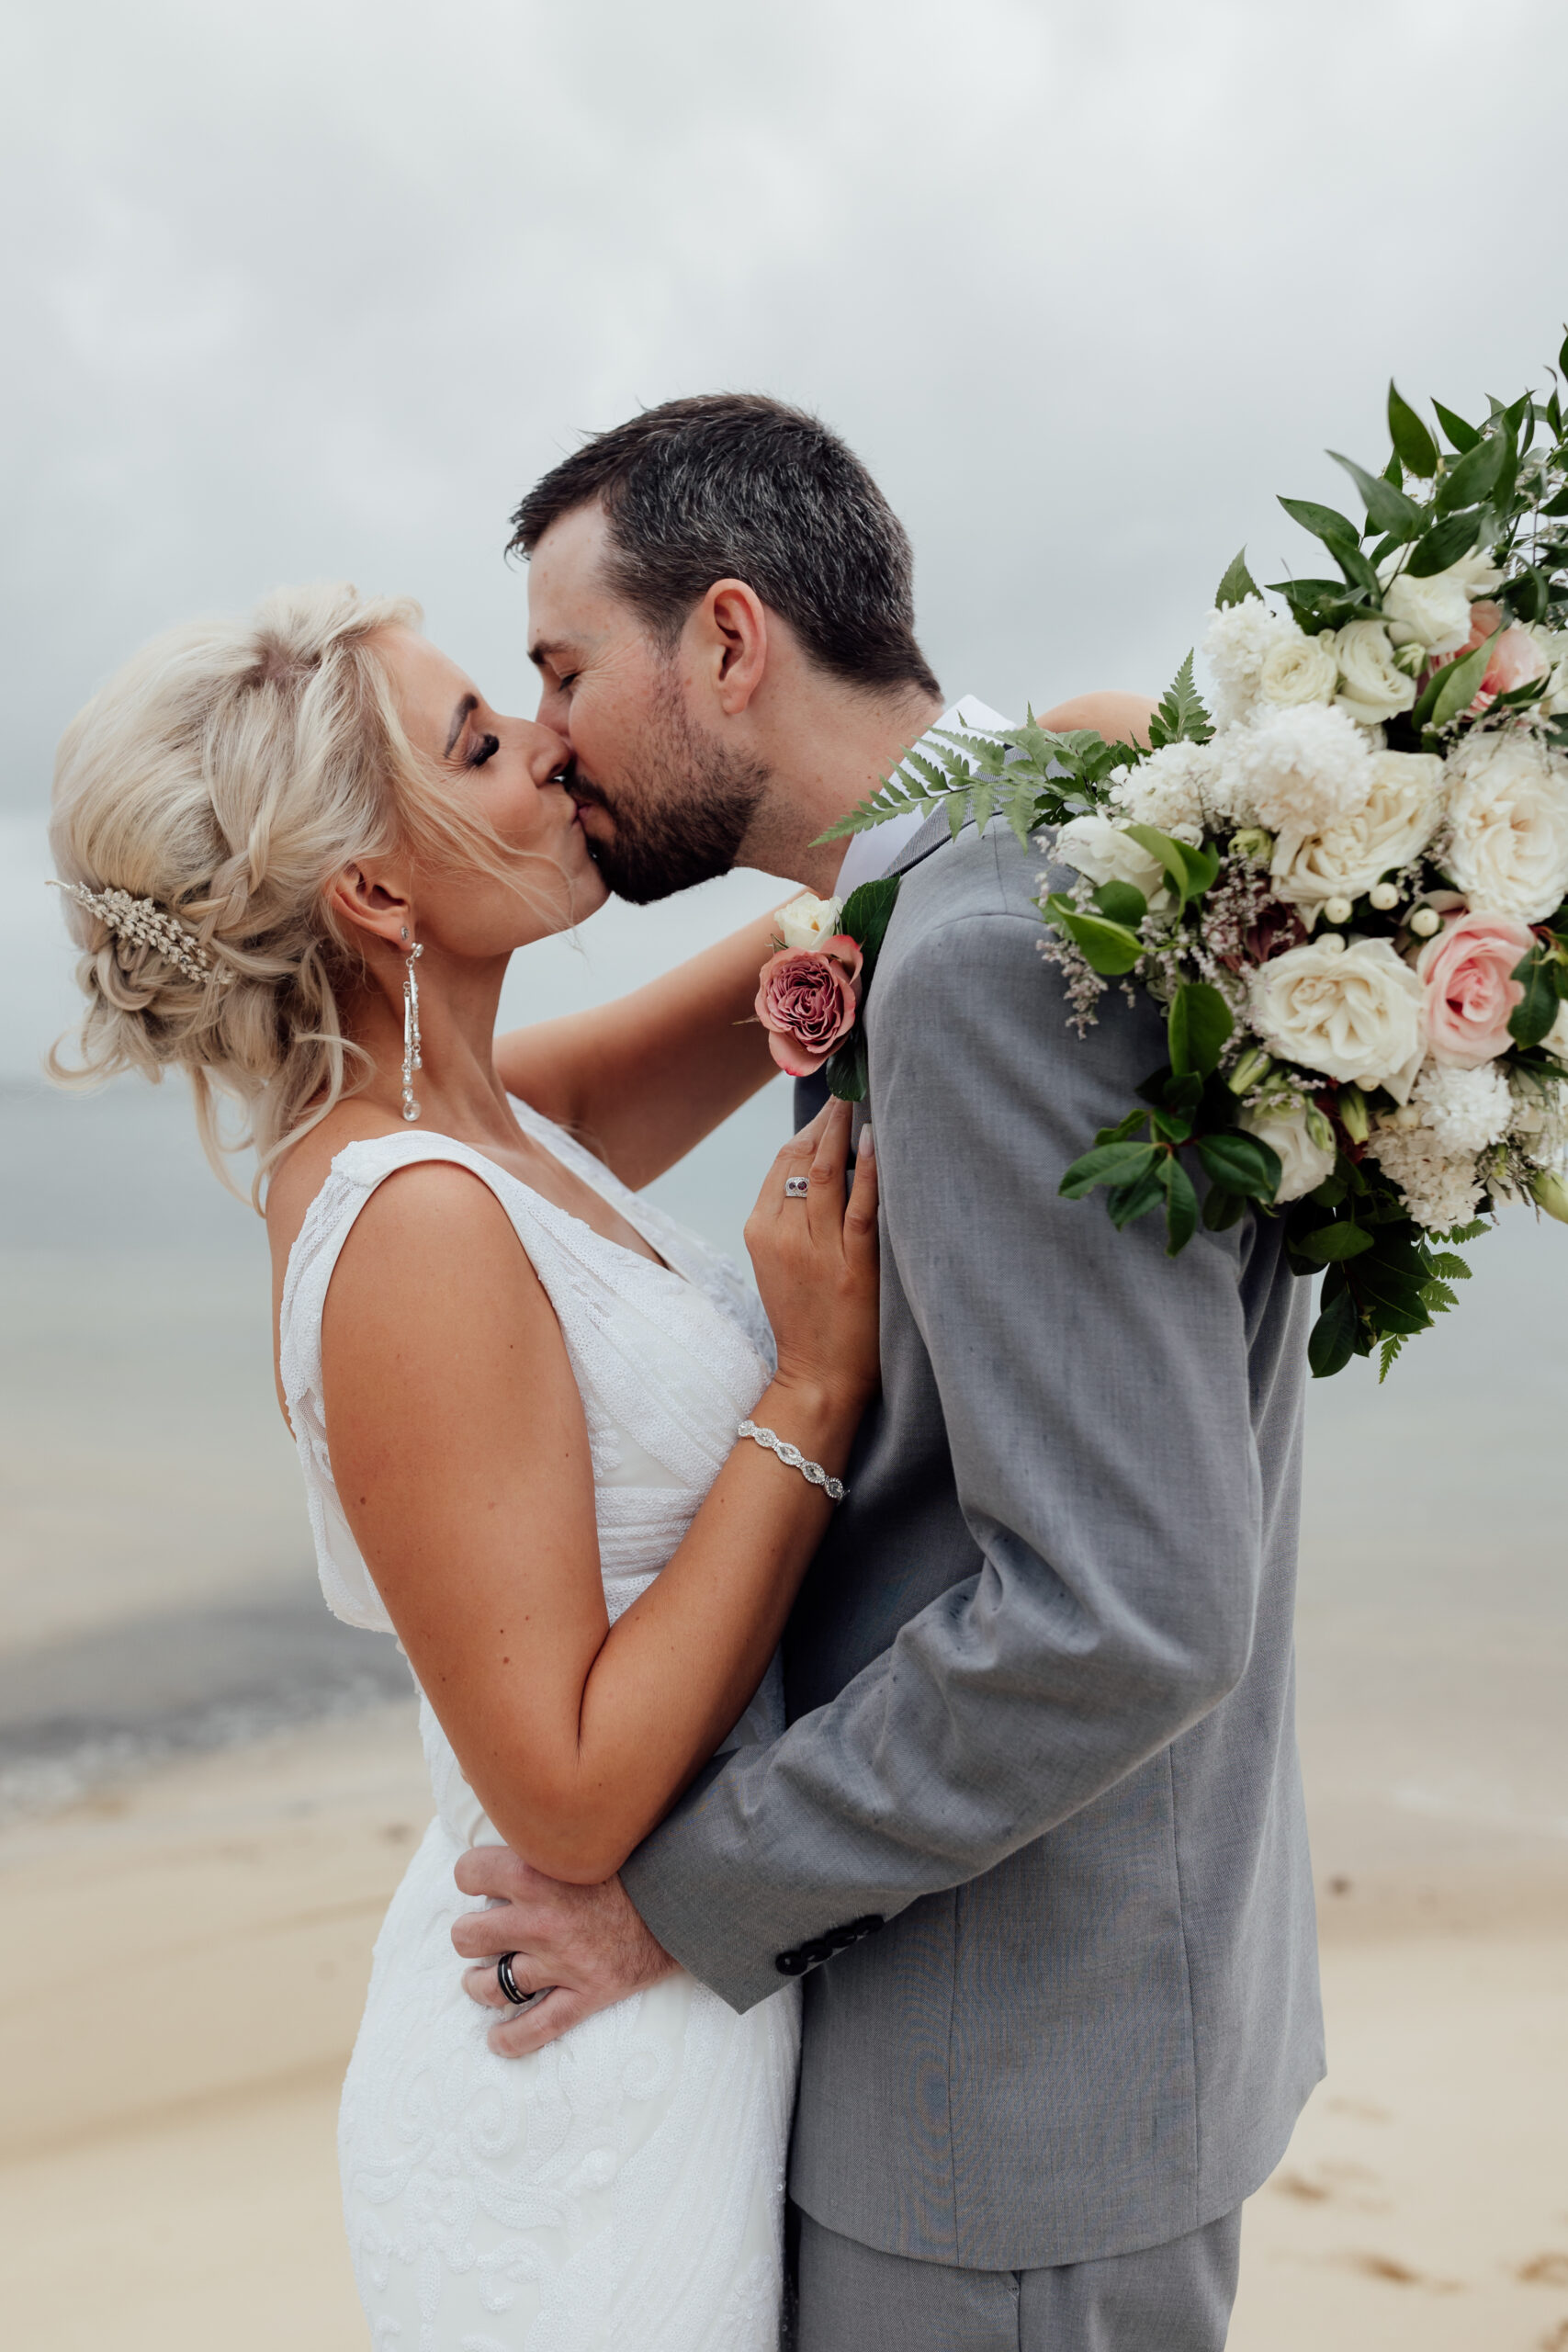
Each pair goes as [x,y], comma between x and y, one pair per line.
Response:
[485,748]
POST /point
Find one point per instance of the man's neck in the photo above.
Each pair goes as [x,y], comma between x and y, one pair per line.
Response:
[833,755]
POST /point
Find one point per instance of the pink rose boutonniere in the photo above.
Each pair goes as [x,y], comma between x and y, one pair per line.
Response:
[811,989]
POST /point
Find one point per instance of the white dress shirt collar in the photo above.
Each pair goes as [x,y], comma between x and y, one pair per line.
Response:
[870,855]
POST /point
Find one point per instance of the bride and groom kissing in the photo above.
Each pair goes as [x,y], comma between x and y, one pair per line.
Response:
[941,1844]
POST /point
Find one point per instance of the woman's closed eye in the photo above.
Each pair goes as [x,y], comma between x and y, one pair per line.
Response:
[485,748]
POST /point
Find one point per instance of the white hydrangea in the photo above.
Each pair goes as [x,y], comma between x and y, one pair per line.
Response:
[1436,1188]
[1464,1109]
[1299,772]
[1236,644]
[1171,790]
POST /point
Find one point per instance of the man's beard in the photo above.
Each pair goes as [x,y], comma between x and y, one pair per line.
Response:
[692,810]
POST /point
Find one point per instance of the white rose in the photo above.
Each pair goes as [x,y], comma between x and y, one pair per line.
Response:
[808,920]
[1554,644]
[1305,1163]
[1476,573]
[1102,850]
[1298,669]
[1352,1011]
[1434,613]
[1398,820]
[1508,801]
[1372,685]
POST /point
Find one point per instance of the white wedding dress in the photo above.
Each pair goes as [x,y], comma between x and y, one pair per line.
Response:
[623,2188]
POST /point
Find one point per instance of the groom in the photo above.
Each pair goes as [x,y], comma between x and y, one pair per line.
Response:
[1034,1839]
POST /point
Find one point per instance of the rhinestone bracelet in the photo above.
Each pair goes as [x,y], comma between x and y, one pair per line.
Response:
[812,1471]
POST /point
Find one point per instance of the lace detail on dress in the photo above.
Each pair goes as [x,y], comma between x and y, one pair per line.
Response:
[626,2185]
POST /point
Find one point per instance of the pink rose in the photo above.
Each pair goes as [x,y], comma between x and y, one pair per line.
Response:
[1515,658]
[807,1000]
[1466,972]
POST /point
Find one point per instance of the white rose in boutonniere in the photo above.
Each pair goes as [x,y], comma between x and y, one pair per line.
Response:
[1396,821]
[1352,1011]
[1105,854]
[1298,669]
[808,920]
[1372,686]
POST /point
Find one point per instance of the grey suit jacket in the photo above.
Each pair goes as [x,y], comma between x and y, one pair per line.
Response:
[1041,1677]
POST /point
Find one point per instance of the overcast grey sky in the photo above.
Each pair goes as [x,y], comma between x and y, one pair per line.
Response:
[319,288]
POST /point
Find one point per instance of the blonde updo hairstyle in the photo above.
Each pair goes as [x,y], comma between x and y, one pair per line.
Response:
[228,771]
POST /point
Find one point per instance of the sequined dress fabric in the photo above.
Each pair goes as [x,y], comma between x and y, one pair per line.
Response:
[623,2187]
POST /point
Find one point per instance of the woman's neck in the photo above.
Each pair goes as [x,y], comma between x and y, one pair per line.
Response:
[457,1090]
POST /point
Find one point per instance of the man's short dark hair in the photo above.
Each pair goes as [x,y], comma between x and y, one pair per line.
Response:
[732,485]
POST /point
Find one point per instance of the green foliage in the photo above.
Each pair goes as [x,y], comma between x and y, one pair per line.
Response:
[1182,718]
[1414,447]
[1109,948]
[1191,871]
[1201,1023]
[1476,474]
[1444,544]
[1238,584]
[1540,974]
[866,915]
[1452,690]
[1386,1279]
[1462,437]
[1387,509]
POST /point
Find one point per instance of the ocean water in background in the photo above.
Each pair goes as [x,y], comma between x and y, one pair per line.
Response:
[157,1591]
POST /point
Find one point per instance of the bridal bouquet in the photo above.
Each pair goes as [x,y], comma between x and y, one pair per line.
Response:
[1345,888]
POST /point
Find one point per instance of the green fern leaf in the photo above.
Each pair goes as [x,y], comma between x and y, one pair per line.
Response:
[1182,717]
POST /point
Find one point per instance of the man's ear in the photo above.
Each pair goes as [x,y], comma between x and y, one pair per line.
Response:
[730,628]
[373,903]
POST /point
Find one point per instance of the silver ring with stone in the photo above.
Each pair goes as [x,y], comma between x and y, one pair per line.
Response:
[797,1188]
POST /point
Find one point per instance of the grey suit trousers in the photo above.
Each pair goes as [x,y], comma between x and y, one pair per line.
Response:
[1171,2298]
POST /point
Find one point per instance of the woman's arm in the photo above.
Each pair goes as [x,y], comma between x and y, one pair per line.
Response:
[461,1457]
[643,1080]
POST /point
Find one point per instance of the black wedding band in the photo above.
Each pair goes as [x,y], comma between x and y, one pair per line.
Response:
[509,1985]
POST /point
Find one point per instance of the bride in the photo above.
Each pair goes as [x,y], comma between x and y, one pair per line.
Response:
[299,855]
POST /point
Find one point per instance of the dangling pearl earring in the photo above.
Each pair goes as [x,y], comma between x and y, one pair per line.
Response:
[410,1031]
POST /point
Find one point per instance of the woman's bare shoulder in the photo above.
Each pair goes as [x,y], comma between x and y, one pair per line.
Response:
[299,1175]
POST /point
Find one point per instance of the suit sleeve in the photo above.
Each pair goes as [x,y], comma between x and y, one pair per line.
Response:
[1096,1400]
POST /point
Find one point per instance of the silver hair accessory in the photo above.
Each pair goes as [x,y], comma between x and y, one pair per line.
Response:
[148,924]
[797,1188]
[410,1031]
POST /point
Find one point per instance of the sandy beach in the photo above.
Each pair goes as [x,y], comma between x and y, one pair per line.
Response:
[208,1793]
[181,1970]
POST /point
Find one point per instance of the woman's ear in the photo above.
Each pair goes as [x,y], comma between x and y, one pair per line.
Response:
[373,901]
